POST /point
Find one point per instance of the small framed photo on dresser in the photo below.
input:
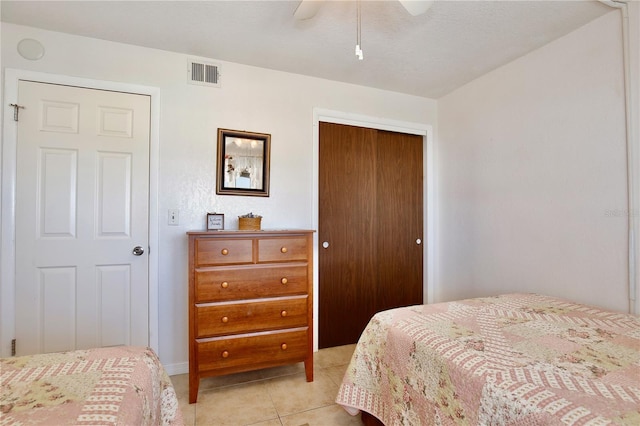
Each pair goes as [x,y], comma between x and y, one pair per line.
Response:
[215,221]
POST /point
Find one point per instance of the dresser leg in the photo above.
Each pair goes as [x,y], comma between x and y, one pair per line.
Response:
[308,367]
[194,383]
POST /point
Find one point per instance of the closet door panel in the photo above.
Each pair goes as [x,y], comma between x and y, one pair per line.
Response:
[347,224]
[399,219]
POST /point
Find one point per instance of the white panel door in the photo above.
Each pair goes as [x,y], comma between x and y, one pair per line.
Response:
[82,203]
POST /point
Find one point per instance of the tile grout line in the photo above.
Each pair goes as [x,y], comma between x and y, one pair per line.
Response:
[280,418]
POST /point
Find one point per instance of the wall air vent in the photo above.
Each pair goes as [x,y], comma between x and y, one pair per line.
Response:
[203,73]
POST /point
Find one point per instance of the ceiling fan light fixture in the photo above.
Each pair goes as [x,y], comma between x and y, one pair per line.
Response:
[307,9]
[416,7]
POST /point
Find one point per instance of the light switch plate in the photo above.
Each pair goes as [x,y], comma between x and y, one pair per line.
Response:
[174,217]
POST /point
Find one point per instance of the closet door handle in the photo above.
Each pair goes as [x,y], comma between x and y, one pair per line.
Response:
[325,244]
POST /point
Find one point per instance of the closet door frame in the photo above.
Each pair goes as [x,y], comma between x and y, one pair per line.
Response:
[421,129]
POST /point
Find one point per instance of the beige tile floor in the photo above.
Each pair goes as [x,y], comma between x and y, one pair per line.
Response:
[277,396]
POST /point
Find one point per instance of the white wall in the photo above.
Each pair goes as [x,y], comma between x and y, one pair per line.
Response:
[531,175]
[634,64]
[250,99]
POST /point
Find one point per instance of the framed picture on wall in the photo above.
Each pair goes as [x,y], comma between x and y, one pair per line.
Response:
[243,163]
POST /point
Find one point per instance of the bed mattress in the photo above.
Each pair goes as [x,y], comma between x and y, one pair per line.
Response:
[510,359]
[107,386]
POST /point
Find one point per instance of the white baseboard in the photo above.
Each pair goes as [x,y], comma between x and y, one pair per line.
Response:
[174,369]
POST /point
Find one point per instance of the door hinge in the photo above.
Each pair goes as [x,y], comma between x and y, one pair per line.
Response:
[13,347]
[16,111]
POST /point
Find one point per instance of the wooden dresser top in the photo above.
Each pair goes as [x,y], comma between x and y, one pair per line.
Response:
[264,232]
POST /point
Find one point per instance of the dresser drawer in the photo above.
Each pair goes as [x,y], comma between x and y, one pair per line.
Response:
[228,283]
[234,318]
[282,249]
[210,251]
[254,350]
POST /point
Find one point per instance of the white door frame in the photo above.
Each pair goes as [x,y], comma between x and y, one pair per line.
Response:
[424,130]
[8,200]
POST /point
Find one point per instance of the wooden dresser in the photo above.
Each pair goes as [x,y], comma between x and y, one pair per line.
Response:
[250,302]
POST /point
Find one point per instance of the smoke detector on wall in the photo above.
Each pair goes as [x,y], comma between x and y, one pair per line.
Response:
[203,73]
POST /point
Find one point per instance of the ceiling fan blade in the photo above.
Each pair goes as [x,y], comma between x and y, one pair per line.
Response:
[307,9]
[416,7]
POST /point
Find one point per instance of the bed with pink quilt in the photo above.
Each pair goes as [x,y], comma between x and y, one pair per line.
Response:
[107,386]
[505,360]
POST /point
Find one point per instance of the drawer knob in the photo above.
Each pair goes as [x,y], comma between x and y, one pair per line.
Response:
[284,281]
[224,284]
[225,354]
[283,346]
[225,252]
[283,313]
[283,250]
[225,319]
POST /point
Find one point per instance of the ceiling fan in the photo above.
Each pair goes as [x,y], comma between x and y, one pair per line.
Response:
[308,8]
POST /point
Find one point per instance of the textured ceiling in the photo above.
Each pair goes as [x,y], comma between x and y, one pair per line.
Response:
[428,55]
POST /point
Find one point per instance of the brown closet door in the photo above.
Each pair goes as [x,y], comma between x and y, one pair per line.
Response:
[370,214]
[399,220]
[347,268]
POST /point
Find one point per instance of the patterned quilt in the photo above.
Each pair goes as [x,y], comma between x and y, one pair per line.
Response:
[513,359]
[108,386]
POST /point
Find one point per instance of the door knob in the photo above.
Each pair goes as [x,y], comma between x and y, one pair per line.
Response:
[418,241]
[137,251]
[325,244]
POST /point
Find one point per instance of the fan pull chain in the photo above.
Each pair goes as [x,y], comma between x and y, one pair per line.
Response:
[359,53]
